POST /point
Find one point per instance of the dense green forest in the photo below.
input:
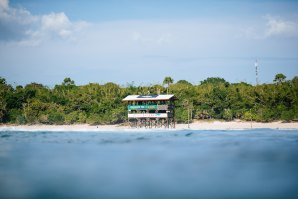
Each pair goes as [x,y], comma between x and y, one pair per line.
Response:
[213,98]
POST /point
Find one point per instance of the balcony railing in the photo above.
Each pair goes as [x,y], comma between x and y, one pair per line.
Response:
[149,107]
[148,115]
[142,107]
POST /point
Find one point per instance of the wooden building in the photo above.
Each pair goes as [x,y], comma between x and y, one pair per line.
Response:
[151,111]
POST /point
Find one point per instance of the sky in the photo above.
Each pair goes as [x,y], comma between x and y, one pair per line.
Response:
[141,42]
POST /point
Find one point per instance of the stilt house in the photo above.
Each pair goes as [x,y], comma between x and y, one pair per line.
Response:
[151,111]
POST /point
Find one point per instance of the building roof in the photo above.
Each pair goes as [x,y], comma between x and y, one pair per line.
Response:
[148,97]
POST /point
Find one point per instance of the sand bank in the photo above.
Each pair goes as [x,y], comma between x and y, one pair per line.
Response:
[198,125]
[234,125]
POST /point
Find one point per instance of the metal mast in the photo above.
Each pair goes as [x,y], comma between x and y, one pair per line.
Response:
[257,65]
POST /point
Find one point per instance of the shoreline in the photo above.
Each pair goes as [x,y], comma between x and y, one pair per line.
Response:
[197,125]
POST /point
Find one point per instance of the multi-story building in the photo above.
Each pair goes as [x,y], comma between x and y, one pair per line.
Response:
[151,111]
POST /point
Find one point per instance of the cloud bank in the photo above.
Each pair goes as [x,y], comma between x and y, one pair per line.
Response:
[51,46]
[18,24]
[278,27]
[271,27]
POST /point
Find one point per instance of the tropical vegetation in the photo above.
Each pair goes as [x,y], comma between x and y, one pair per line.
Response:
[213,98]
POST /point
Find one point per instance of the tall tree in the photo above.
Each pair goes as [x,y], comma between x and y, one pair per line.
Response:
[168,81]
[68,82]
[184,82]
[214,80]
[279,78]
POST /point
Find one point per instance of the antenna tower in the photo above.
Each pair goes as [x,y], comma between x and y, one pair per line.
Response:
[257,66]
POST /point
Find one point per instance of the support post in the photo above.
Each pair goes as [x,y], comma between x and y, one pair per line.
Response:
[188,117]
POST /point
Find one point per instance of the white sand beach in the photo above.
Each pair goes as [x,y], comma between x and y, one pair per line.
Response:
[237,124]
[197,125]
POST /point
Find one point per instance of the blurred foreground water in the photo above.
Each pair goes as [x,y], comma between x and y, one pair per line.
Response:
[149,164]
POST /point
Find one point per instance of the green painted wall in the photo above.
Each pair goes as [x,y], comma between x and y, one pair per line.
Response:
[142,107]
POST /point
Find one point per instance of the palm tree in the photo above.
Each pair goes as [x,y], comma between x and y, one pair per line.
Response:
[168,81]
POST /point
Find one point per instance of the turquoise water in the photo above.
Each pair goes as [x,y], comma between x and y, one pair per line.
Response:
[149,164]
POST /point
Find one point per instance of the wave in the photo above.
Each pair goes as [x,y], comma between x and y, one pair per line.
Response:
[61,129]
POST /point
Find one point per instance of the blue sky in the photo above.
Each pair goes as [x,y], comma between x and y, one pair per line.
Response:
[144,41]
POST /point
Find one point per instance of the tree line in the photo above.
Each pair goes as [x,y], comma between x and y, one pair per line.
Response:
[213,98]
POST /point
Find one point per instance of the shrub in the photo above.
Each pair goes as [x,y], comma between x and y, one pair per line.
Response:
[82,117]
[56,118]
[72,117]
[248,116]
[228,114]
[288,115]
[20,119]
[44,119]
[13,114]
[93,119]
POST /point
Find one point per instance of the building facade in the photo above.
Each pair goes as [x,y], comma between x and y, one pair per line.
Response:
[151,111]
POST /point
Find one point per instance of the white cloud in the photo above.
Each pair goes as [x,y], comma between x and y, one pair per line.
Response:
[4,4]
[279,27]
[111,50]
[165,38]
[19,25]
[57,23]
[269,28]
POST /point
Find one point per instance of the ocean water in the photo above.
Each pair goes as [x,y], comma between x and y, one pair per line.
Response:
[149,164]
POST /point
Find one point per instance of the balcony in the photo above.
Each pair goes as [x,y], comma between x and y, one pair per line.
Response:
[148,107]
[148,115]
